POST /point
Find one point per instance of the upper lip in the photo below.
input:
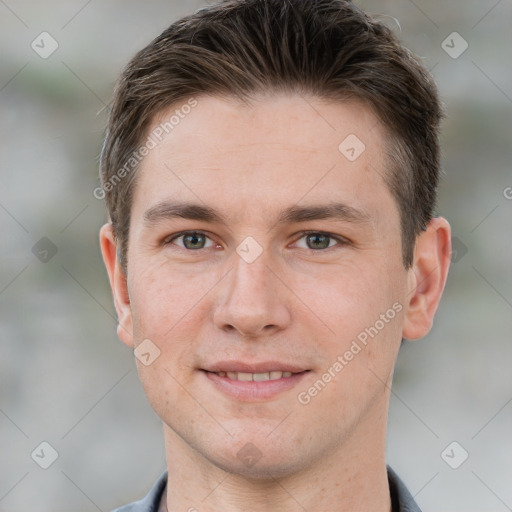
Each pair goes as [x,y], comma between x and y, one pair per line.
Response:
[261,367]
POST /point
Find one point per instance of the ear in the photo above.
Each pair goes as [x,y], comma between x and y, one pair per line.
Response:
[118,284]
[427,278]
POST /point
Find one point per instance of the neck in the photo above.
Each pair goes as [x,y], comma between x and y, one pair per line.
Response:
[352,476]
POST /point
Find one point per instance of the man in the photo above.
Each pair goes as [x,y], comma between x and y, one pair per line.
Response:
[270,170]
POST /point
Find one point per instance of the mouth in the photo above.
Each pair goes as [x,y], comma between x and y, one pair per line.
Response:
[255,377]
[253,382]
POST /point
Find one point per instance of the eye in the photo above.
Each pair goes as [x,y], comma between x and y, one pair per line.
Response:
[318,241]
[191,240]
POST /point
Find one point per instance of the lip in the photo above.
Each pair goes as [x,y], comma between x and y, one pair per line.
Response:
[261,367]
[253,391]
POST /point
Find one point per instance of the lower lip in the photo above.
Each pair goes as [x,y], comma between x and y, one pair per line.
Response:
[254,391]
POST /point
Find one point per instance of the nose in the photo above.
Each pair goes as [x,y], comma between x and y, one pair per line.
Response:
[253,300]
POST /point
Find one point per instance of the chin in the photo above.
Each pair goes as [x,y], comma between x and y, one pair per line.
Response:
[257,457]
[260,471]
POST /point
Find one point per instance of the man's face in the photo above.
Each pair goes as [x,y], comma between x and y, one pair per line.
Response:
[269,286]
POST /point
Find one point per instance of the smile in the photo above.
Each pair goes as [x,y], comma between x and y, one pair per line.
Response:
[253,383]
[255,377]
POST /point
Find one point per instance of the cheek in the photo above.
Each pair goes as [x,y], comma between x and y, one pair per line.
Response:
[348,300]
[169,307]
[363,309]
[359,357]
[162,299]
[165,306]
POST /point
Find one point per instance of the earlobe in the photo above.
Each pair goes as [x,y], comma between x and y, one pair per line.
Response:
[118,284]
[427,278]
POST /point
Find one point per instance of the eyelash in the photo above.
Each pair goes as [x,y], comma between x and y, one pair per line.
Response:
[341,241]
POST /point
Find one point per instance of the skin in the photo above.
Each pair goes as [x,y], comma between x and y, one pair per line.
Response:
[296,303]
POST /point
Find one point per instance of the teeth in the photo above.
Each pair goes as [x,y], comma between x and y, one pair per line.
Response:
[261,376]
[255,377]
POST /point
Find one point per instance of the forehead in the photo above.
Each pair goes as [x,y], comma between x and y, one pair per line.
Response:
[277,149]
[300,124]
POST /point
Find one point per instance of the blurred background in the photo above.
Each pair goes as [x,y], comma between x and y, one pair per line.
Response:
[65,378]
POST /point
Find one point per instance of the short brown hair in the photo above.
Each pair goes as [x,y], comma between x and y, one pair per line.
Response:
[326,48]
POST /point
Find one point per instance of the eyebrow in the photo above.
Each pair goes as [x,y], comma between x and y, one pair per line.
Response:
[294,214]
